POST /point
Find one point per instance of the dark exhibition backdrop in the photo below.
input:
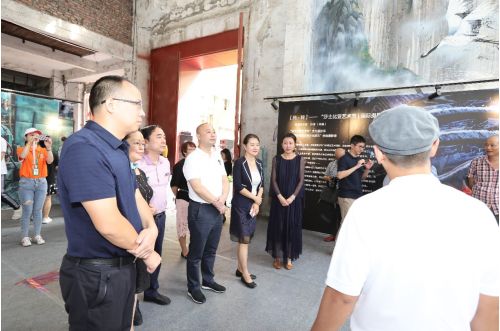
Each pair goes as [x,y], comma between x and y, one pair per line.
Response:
[466,120]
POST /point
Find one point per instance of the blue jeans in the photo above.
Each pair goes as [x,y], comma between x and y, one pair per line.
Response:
[32,193]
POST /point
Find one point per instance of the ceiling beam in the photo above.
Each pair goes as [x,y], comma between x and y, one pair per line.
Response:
[32,49]
[111,65]
[28,68]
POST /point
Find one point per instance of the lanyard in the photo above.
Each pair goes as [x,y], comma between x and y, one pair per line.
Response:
[35,161]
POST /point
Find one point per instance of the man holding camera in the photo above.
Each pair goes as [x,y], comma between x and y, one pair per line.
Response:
[330,174]
[351,171]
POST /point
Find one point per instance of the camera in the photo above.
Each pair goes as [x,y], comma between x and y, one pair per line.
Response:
[43,137]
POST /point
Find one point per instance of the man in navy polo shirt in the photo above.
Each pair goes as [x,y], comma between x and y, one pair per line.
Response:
[351,171]
[106,219]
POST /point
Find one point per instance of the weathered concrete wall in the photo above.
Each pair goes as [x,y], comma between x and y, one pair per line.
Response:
[276,51]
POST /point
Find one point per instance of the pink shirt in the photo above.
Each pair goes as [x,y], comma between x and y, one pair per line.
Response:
[158,176]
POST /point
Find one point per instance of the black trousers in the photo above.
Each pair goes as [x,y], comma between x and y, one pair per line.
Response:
[336,217]
[152,291]
[205,227]
[98,297]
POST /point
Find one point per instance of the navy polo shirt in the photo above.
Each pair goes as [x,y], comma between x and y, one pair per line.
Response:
[95,165]
[350,186]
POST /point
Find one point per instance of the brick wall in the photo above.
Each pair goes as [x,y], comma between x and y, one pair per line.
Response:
[110,18]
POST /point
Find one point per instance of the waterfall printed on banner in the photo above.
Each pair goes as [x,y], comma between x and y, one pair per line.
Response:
[359,44]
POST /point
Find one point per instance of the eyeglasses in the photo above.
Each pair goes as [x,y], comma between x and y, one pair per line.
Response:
[136,143]
[139,103]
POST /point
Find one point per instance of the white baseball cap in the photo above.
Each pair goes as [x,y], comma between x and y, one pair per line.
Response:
[31,130]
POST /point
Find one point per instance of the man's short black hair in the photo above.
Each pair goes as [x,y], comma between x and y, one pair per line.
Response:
[148,130]
[356,139]
[104,88]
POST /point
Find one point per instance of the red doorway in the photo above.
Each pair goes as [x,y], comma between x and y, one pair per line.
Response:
[206,52]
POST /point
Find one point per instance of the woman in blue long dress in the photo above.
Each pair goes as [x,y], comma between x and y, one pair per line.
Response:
[284,230]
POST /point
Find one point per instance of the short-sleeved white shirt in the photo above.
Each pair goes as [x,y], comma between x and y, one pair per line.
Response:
[418,254]
[4,150]
[209,168]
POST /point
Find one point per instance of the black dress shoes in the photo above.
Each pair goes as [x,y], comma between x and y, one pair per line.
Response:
[239,274]
[137,317]
[160,300]
[250,285]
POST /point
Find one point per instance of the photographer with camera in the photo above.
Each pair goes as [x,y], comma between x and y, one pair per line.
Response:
[33,185]
[330,175]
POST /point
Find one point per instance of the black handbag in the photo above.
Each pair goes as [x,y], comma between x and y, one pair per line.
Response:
[329,194]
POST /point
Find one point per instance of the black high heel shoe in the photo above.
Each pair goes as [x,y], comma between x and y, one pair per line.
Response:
[249,285]
[239,274]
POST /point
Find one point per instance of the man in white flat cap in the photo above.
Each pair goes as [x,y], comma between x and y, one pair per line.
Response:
[416,254]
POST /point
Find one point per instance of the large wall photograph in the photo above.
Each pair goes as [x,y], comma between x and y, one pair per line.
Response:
[359,44]
[466,120]
[20,113]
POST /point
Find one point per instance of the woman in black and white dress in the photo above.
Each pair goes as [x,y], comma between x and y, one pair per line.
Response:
[248,181]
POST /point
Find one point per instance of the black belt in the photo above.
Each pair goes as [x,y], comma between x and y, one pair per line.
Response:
[159,215]
[200,203]
[111,262]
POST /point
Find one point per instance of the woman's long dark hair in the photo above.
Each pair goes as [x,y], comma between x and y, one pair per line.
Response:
[227,154]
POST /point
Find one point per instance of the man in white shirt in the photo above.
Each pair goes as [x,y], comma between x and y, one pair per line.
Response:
[416,254]
[208,189]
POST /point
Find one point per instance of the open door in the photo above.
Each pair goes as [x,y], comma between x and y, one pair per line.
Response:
[165,78]
[165,97]
[237,117]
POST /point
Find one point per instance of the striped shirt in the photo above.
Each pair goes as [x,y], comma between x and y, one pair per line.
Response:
[485,182]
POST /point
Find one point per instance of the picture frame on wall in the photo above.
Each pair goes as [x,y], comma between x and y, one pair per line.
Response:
[66,110]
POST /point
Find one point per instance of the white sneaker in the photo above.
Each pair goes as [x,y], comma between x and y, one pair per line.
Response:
[46,220]
[38,239]
[17,214]
[26,241]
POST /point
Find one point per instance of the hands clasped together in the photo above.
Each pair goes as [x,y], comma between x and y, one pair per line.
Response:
[146,240]
[286,202]
[219,204]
